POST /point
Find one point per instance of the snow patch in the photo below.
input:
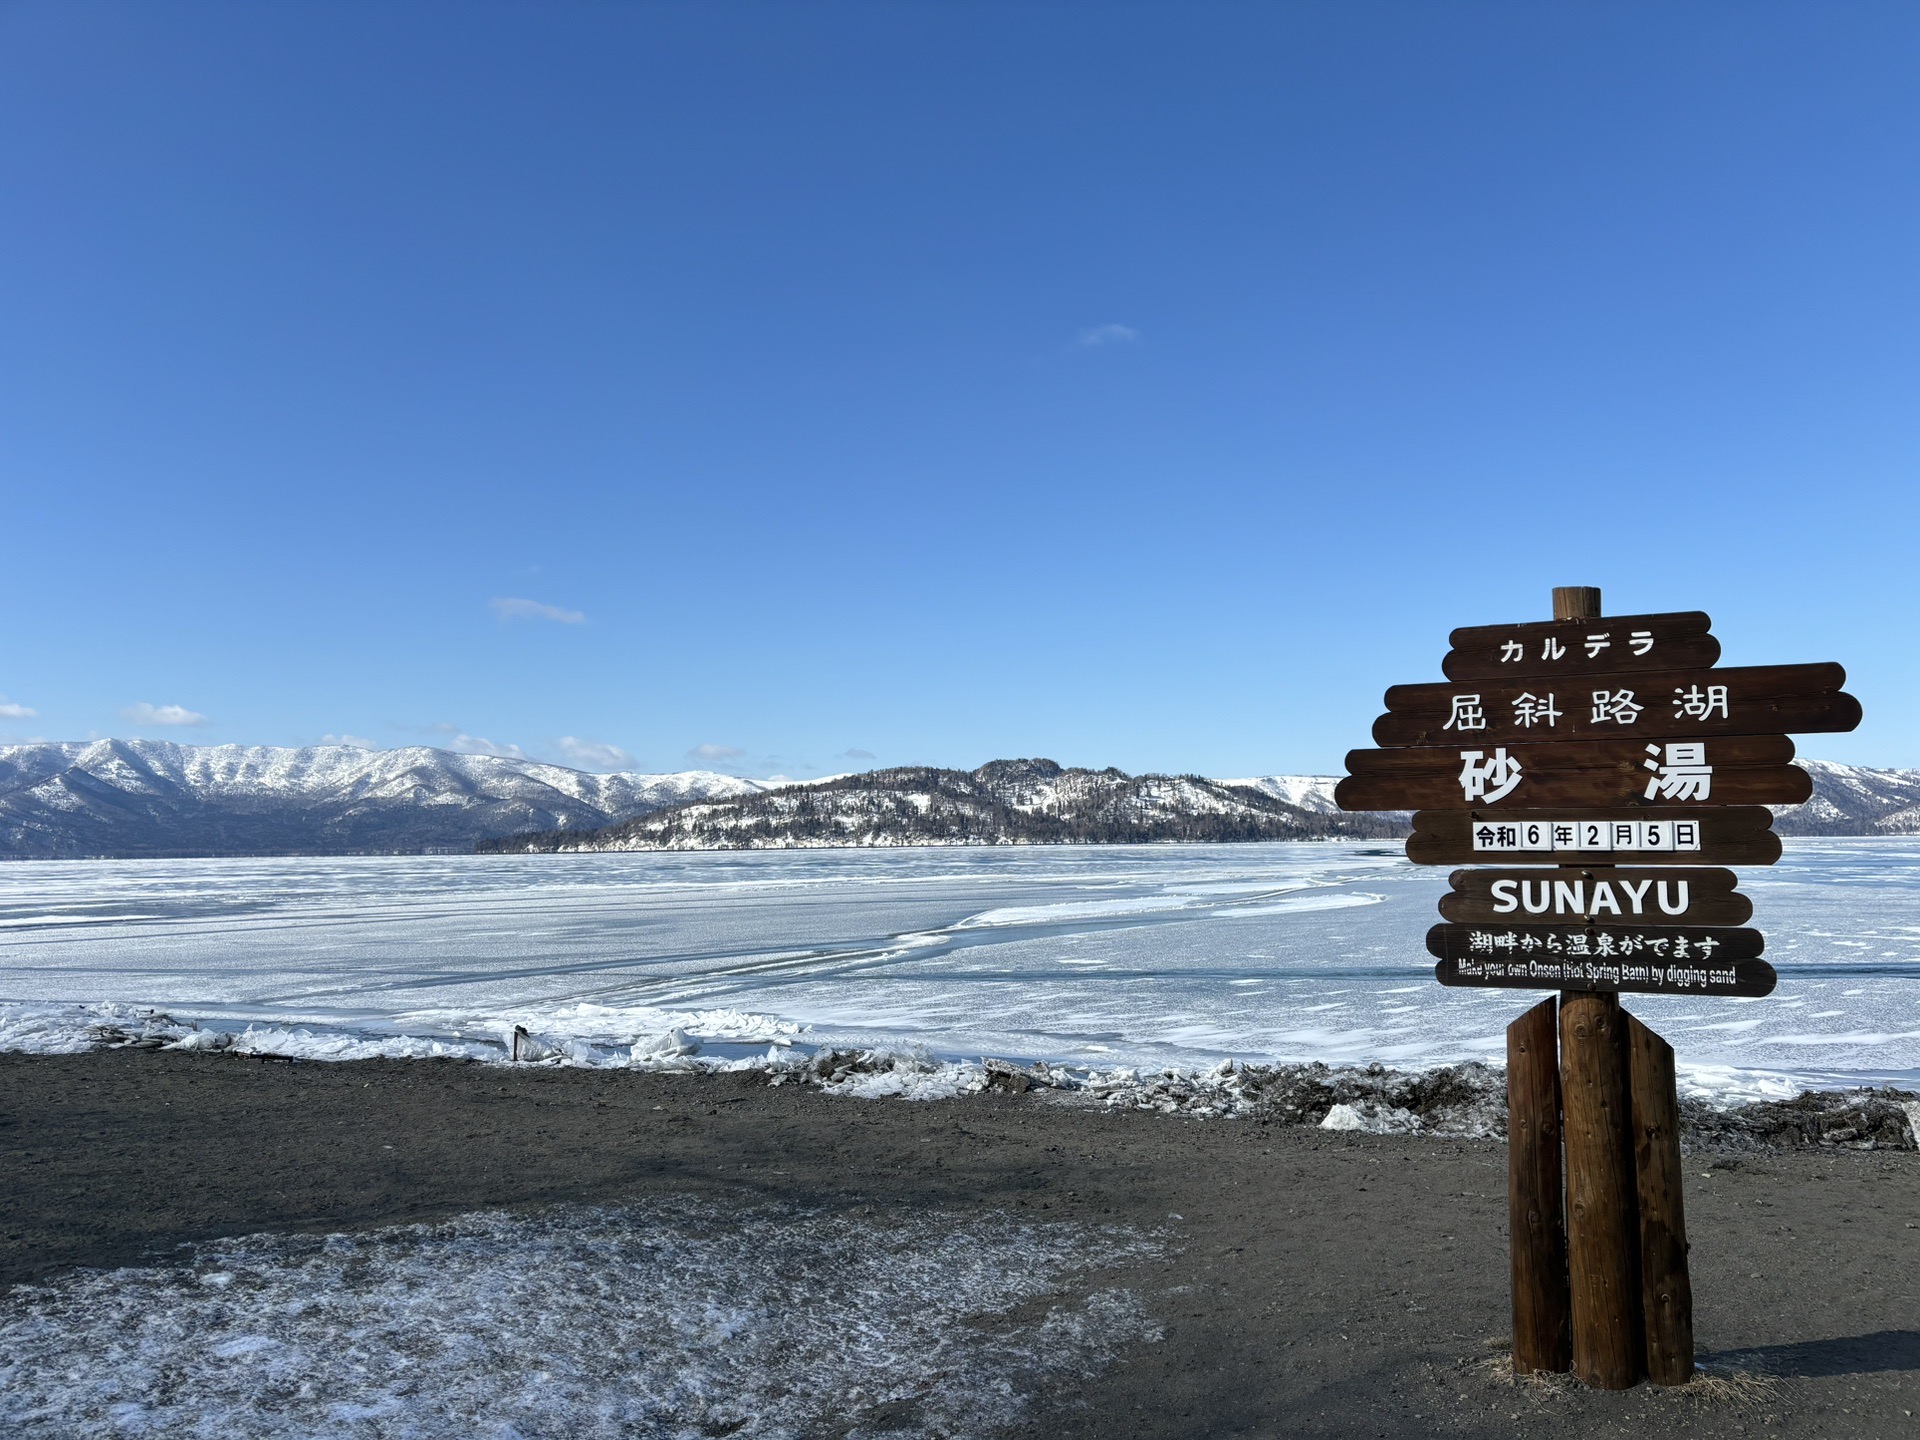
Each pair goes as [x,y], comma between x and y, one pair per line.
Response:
[1371,1118]
[662,1320]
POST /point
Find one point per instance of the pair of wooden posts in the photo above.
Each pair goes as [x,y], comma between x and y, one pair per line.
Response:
[1600,1281]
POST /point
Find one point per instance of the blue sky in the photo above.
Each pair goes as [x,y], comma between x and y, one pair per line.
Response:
[790,389]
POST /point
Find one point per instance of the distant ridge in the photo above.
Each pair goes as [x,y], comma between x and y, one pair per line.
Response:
[1006,802]
[153,798]
[1037,802]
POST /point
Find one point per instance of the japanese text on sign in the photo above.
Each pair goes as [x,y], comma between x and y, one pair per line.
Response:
[1605,707]
[1488,777]
[1636,642]
[1578,944]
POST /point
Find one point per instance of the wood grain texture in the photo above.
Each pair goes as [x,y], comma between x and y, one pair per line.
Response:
[1666,1287]
[1576,602]
[1542,1335]
[1603,1262]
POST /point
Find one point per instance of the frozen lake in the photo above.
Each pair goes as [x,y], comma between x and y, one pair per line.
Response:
[1094,956]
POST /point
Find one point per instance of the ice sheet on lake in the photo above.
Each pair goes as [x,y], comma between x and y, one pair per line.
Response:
[1135,956]
[659,1320]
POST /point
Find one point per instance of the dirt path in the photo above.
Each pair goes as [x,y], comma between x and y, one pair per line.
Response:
[1325,1284]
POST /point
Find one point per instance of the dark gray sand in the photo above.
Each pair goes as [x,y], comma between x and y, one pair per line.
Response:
[1325,1284]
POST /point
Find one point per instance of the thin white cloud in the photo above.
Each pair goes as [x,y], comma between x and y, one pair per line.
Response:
[857,755]
[9,710]
[357,741]
[715,752]
[145,714]
[1105,335]
[466,744]
[594,754]
[448,736]
[513,608]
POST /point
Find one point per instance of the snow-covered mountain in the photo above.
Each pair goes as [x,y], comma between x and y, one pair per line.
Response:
[1312,793]
[1854,800]
[150,797]
[1007,802]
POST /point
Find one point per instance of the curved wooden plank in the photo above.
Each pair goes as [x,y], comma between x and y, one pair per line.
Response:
[1597,895]
[1708,945]
[1666,704]
[1428,847]
[1561,647]
[1740,769]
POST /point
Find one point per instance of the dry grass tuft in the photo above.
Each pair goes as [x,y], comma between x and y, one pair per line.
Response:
[1498,1367]
[1717,1385]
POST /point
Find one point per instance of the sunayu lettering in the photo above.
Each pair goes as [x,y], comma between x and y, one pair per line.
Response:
[1571,898]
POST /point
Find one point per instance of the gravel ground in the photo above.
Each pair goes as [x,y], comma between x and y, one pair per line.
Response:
[1318,1283]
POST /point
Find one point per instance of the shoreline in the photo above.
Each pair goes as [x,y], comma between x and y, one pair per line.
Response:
[1463,1100]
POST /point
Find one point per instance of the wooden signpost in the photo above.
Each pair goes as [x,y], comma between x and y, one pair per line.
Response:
[1596,745]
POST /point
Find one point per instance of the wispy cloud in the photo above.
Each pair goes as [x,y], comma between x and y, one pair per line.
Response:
[857,755]
[145,714]
[715,752]
[358,741]
[448,736]
[479,745]
[512,608]
[594,754]
[9,710]
[1105,335]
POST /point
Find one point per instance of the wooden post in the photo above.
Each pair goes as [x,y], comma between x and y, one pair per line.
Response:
[1535,1219]
[1576,602]
[1603,1271]
[1666,1289]
[1602,1227]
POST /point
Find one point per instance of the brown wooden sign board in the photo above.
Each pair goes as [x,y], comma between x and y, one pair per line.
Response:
[1629,835]
[1740,769]
[1596,895]
[1581,647]
[1747,979]
[1661,704]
